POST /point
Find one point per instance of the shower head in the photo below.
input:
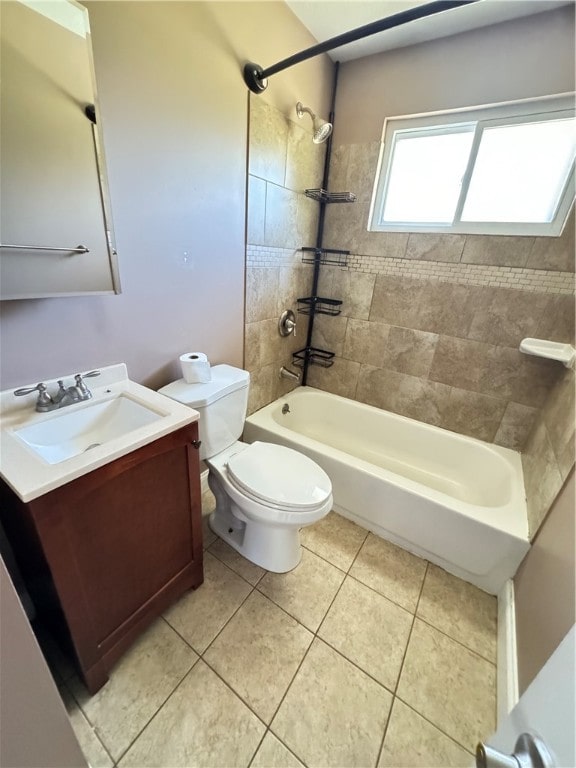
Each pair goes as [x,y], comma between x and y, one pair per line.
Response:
[322,129]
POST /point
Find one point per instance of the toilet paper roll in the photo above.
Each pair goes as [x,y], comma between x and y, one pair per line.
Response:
[195,367]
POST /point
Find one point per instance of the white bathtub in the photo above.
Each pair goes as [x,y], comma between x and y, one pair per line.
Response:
[454,500]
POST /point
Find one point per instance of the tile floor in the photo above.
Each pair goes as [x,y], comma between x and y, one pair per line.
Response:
[364,655]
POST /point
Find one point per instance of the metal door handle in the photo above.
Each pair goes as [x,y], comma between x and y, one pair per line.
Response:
[529,752]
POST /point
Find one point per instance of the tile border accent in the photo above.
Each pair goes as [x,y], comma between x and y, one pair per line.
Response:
[263,256]
[519,278]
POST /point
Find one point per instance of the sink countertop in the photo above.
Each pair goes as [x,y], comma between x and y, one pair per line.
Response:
[30,476]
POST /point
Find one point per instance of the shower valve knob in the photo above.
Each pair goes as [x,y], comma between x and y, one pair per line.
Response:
[287,323]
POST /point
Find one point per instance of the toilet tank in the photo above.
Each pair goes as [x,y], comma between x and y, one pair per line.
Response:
[221,403]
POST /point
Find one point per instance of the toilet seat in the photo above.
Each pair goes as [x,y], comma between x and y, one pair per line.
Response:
[275,475]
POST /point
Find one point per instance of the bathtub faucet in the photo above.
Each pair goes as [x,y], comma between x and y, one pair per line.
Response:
[286,373]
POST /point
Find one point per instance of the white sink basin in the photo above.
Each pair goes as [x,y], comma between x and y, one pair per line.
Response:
[40,452]
[69,433]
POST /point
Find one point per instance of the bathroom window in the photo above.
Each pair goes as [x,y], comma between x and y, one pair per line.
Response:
[504,169]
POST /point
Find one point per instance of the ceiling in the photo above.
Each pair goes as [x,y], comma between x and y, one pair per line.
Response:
[327,18]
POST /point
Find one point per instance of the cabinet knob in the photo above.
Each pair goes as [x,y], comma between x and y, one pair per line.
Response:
[196,443]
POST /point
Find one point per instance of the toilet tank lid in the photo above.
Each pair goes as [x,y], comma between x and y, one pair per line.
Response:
[225,379]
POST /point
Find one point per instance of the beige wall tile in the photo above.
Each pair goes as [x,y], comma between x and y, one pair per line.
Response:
[293,283]
[557,321]
[268,141]
[434,307]
[473,414]
[256,210]
[330,333]
[410,396]
[355,289]
[340,379]
[273,347]
[262,387]
[314,718]
[304,160]
[431,247]
[281,225]
[459,362]
[252,357]
[261,293]
[337,179]
[366,342]
[516,426]
[389,244]
[555,253]
[413,742]
[503,251]
[452,687]
[542,478]
[559,417]
[361,170]
[460,610]
[409,351]
[512,375]
[306,221]
[343,227]
[508,316]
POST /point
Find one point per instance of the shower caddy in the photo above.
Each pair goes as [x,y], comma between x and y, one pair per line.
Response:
[318,256]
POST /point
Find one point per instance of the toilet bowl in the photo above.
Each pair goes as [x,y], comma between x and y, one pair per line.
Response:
[264,492]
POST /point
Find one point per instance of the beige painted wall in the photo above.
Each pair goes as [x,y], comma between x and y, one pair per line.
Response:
[174,114]
[527,57]
[545,591]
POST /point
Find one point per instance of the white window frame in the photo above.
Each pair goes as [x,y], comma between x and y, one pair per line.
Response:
[506,113]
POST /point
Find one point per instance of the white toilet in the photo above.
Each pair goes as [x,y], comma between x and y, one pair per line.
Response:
[264,492]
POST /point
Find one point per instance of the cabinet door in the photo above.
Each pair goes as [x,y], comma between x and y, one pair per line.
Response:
[53,181]
[123,542]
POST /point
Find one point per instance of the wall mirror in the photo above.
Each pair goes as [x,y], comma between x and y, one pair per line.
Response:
[55,223]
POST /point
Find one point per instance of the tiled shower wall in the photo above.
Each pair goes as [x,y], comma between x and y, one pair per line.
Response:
[283,162]
[431,324]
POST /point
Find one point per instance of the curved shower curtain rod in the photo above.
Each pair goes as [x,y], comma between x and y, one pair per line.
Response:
[256,78]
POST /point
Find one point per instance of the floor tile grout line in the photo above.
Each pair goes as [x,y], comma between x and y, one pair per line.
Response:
[377,592]
[394,693]
[91,725]
[238,695]
[435,725]
[415,612]
[157,711]
[455,640]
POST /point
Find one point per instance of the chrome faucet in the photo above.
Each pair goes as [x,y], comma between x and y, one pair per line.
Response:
[76,393]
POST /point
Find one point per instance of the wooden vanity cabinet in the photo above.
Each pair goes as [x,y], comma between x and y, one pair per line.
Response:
[118,546]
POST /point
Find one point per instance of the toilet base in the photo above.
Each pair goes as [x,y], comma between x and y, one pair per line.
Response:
[273,548]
